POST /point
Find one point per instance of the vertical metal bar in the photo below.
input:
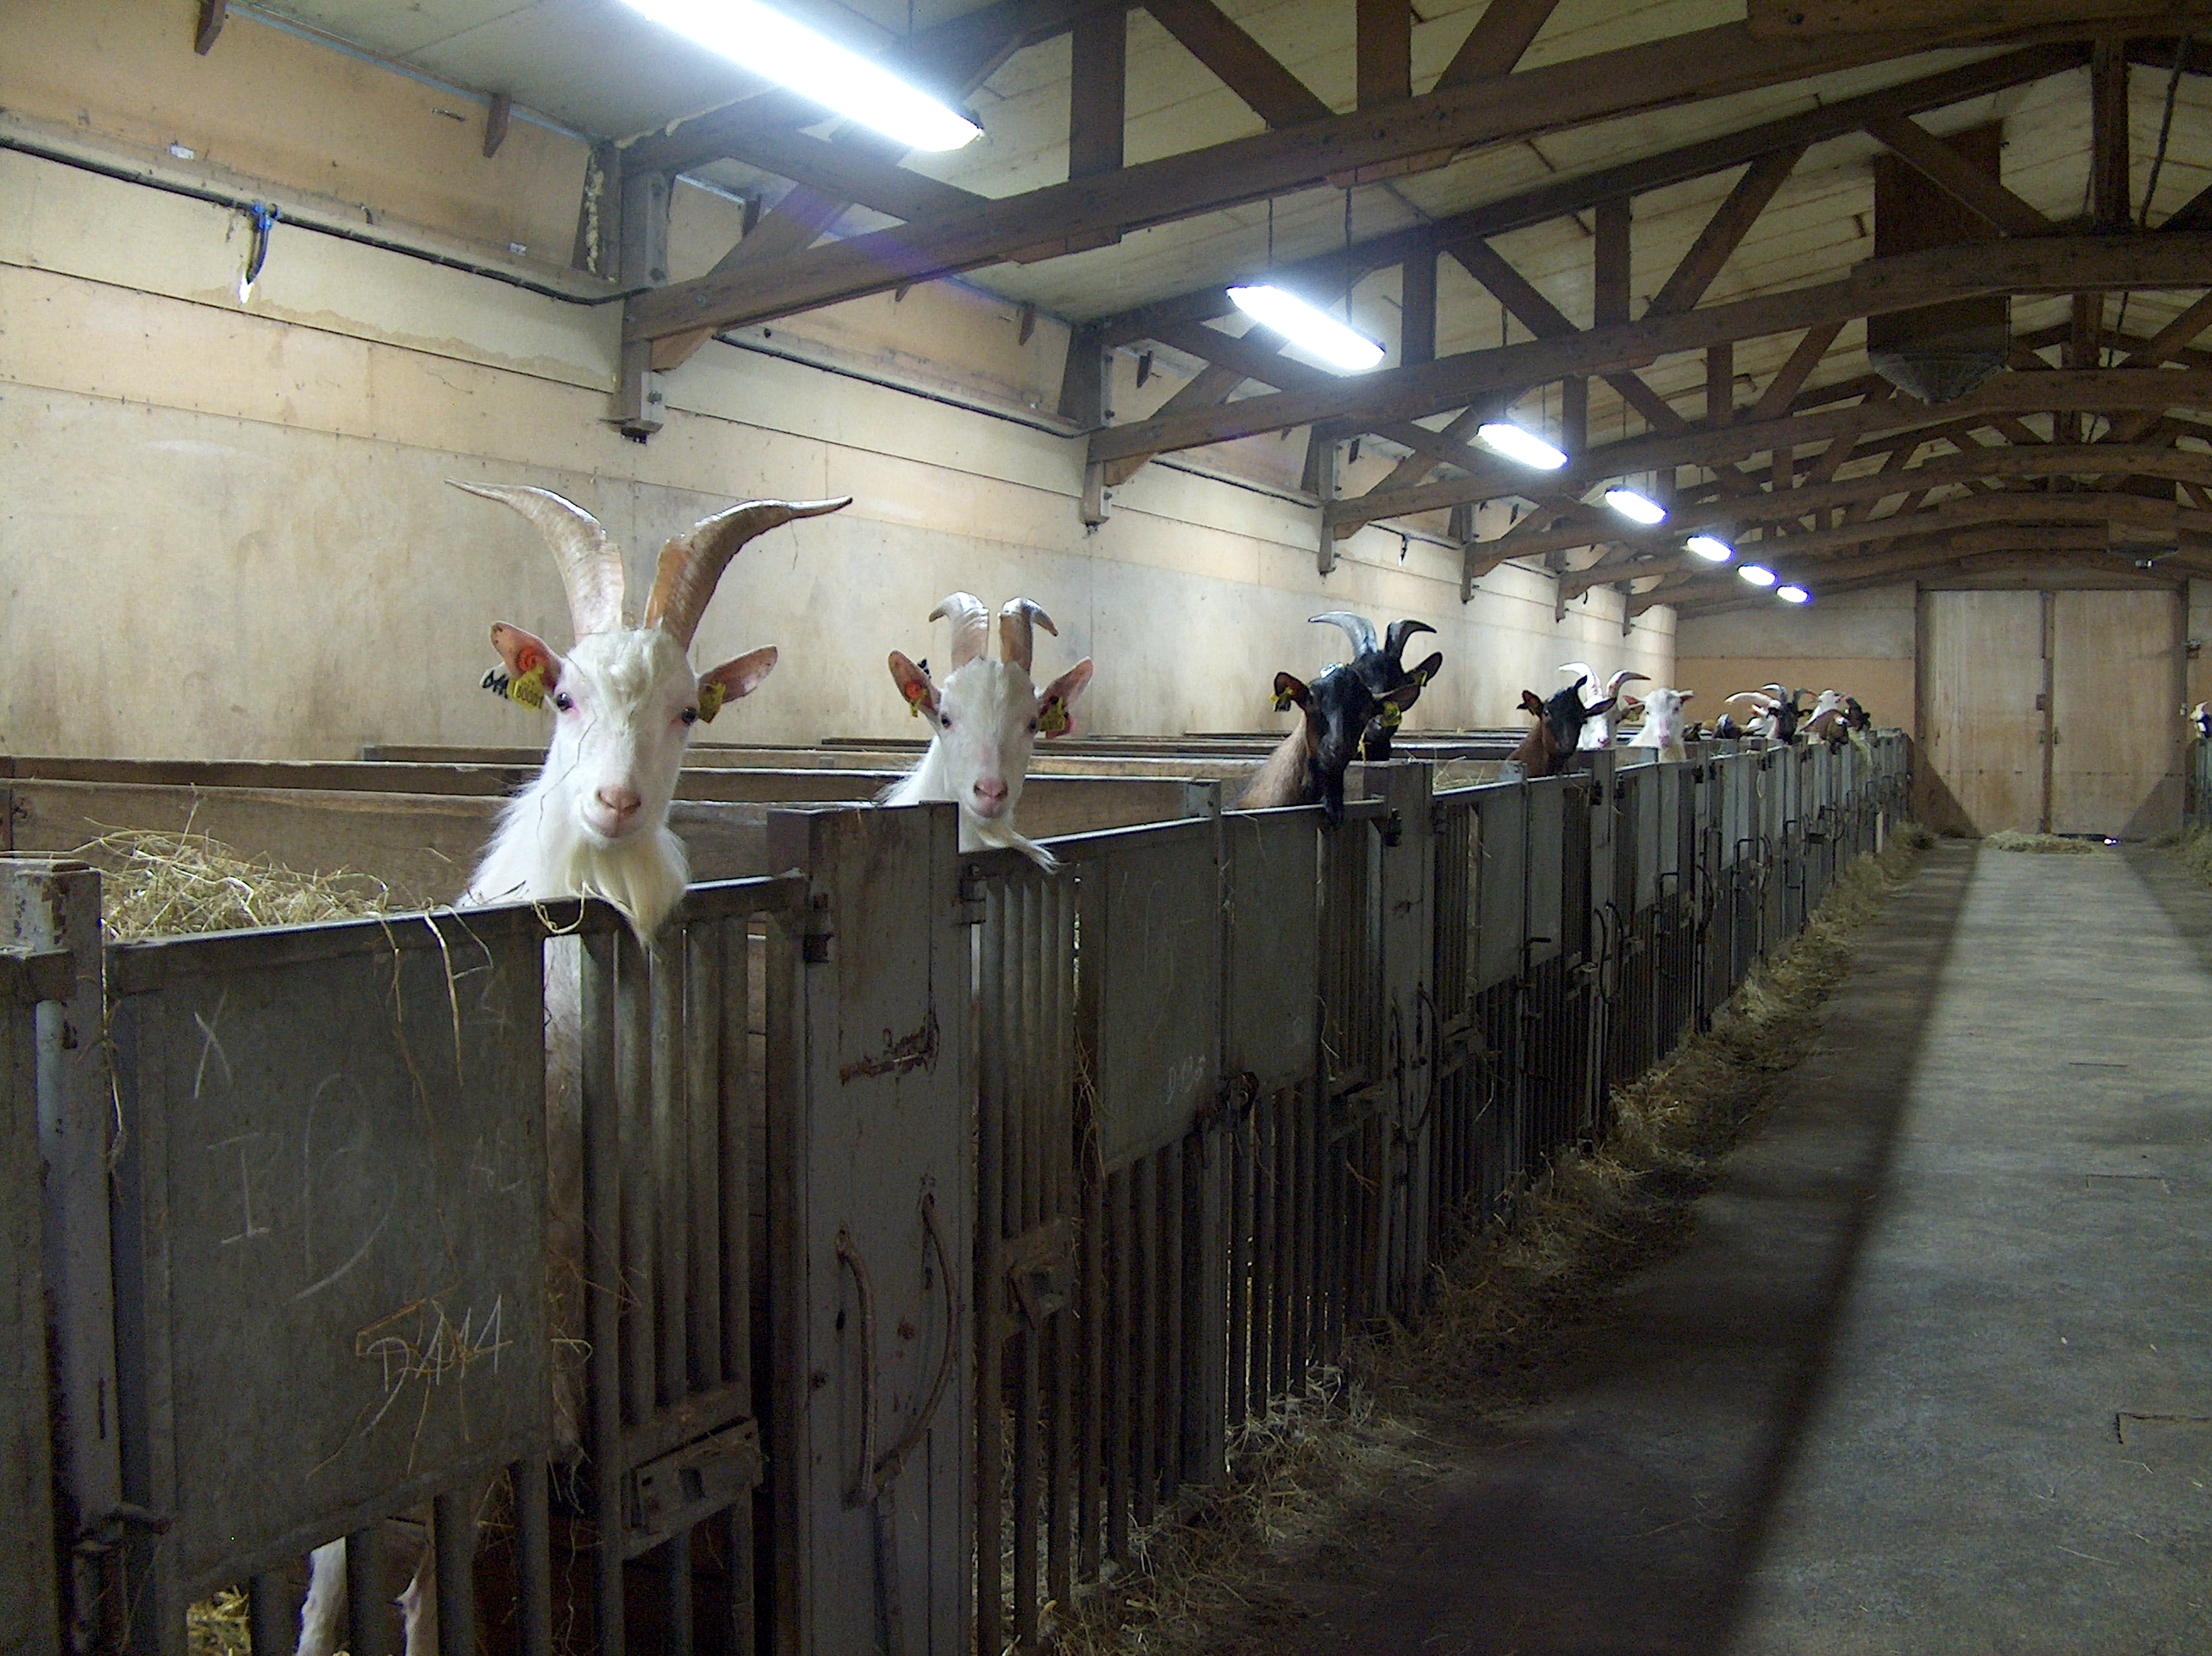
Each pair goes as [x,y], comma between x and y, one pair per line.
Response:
[739,1633]
[597,1068]
[1241,1252]
[703,948]
[264,1615]
[1270,1292]
[675,1607]
[1116,1337]
[533,1556]
[738,1102]
[453,1549]
[368,1617]
[671,1200]
[1144,1185]
[634,1028]
[1024,1356]
[990,1278]
[1176,1378]
[1091,1409]
[1298,1195]
[1060,1452]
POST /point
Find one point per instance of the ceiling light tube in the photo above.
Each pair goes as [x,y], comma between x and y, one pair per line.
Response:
[1793,593]
[1308,327]
[760,38]
[1510,441]
[1640,507]
[1711,548]
[1758,574]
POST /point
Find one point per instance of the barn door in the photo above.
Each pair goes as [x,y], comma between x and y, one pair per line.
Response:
[2115,741]
[1983,692]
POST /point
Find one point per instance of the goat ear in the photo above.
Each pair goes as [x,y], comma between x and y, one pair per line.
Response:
[1054,718]
[1532,703]
[914,685]
[1629,704]
[1403,696]
[531,669]
[1425,673]
[1290,690]
[1596,708]
[1687,695]
[734,679]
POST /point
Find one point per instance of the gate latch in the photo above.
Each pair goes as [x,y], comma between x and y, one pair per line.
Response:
[690,1483]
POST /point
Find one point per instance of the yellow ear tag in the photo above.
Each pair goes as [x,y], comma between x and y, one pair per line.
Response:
[528,691]
[1392,713]
[711,698]
[1052,718]
[1282,700]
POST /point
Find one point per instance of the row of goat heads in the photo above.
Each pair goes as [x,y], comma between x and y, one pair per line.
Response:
[1350,711]
[984,719]
[1607,707]
[1781,715]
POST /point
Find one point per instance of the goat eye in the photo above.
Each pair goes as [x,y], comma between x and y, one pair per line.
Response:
[565,702]
[690,715]
[1033,725]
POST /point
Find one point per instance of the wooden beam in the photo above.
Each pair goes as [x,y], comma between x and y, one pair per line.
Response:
[2049,265]
[212,15]
[1385,52]
[1720,384]
[802,215]
[2175,336]
[1725,231]
[1417,306]
[1949,172]
[857,167]
[1099,79]
[1790,379]
[1240,63]
[1703,64]
[2107,391]
[954,57]
[1500,36]
[495,120]
[1329,272]
[2109,207]
[1609,261]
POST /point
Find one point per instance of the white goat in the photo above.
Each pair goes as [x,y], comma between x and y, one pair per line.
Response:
[1663,723]
[987,717]
[1600,730]
[625,701]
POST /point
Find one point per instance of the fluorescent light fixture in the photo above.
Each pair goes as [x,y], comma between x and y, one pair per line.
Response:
[1308,327]
[1630,504]
[1758,574]
[1510,441]
[1711,548]
[1792,594]
[763,39]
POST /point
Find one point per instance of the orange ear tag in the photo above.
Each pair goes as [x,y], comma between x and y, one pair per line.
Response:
[916,696]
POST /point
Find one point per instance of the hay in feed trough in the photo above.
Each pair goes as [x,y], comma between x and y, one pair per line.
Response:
[2011,839]
[164,885]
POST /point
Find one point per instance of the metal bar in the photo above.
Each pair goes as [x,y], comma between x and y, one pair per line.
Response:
[369,1617]
[1242,1245]
[990,1280]
[453,1551]
[533,1556]
[1117,1337]
[634,1080]
[596,1068]
[671,1202]
[1143,1211]
[1091,1350]
[675,1606]
[704,947]
[1024,1359]
[738,1101]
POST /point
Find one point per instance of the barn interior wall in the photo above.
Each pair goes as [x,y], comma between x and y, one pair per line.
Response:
[1862,643]
[227,532]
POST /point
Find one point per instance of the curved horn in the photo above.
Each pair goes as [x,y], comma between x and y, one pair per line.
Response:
[1612,684]
[591,568]
[692,563]
[971,626]
[1015,641]
[1759,699]
[1394,642]
[1357,627]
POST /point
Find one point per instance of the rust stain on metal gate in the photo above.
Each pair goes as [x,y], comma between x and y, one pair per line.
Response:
[917,1050]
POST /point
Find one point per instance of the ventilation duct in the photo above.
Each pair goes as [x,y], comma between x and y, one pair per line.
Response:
[1936,352]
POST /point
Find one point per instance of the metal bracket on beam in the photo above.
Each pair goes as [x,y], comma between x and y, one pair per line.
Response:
[641,401]
[1097,498]
[1461,529]
[1324,456]
[640,404]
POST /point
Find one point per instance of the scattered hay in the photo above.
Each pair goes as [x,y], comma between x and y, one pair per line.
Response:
[161,884]
[217,1625]
[2011,839]
[1309,1479]
[2192,848]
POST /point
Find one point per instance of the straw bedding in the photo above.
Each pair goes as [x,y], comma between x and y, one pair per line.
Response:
[1307,1480]
[2043,844]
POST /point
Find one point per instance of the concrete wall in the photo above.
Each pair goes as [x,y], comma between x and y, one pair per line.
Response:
[224,529]
[1862,643]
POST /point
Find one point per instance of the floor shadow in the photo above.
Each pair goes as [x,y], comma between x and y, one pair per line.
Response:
[1629,1511]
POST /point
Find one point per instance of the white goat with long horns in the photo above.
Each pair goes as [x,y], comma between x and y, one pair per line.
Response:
[625,701]
[1601,730]
[986,717]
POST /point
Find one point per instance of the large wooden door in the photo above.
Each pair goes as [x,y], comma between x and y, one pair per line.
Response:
[1982,710]
[2116,742]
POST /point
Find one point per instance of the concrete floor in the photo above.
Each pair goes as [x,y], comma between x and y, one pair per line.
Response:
[1933,1372]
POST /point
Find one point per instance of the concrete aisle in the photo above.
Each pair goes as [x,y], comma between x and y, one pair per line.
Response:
[1933,1372]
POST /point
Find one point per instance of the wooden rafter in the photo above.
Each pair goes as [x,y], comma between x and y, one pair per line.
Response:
[1504,32]
[1240,63]
[1703,64]
[1943,166]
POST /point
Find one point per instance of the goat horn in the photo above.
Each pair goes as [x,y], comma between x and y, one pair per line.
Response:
[691,563]
[1357,627]
[1612,684]
[1394,642]
[1763,700]
[1015,642]
[591,569]
[971,626]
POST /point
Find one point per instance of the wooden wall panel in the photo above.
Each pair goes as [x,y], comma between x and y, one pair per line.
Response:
[1981,729]
[2116,683]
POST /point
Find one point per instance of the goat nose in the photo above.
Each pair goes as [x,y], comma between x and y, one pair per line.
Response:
[620,801]
[991,792]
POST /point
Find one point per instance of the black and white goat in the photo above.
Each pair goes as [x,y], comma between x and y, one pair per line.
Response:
[986,718]
[1551,746]
[1335,712]
[1600,732]
[1382,668]
[1775,712]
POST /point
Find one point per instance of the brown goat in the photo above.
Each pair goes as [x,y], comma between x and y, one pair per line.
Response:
[1550,747]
